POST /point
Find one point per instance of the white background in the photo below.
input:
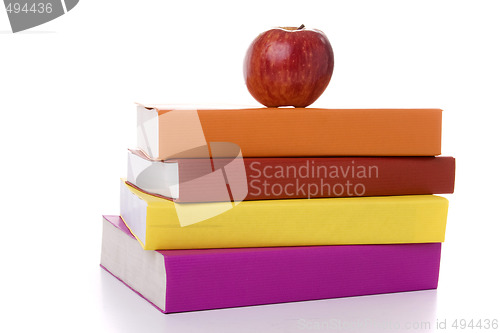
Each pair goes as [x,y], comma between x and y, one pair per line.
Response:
[67,90]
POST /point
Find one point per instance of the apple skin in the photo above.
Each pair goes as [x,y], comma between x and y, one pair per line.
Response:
[288,66]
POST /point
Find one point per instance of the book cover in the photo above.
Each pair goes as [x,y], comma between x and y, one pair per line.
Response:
[287,132]
[159,223]
[193,180]
[189,280]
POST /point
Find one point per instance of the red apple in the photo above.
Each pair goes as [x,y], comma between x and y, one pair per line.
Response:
[288,66]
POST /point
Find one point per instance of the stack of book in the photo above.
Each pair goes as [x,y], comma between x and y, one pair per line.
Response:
[237,207]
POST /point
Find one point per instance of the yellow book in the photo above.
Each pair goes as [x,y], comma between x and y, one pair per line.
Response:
[162,224]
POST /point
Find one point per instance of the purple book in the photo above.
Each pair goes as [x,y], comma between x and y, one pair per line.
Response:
[189,280]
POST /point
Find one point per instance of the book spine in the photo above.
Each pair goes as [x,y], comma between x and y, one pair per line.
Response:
[326,132]
[296,178]
[275,275]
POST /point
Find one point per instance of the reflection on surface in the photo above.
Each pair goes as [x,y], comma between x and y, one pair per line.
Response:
[401,312]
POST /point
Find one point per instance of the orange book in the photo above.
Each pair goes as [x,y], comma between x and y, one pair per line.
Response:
[166,132]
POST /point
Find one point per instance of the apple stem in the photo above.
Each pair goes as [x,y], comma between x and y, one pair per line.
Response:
[301,27]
